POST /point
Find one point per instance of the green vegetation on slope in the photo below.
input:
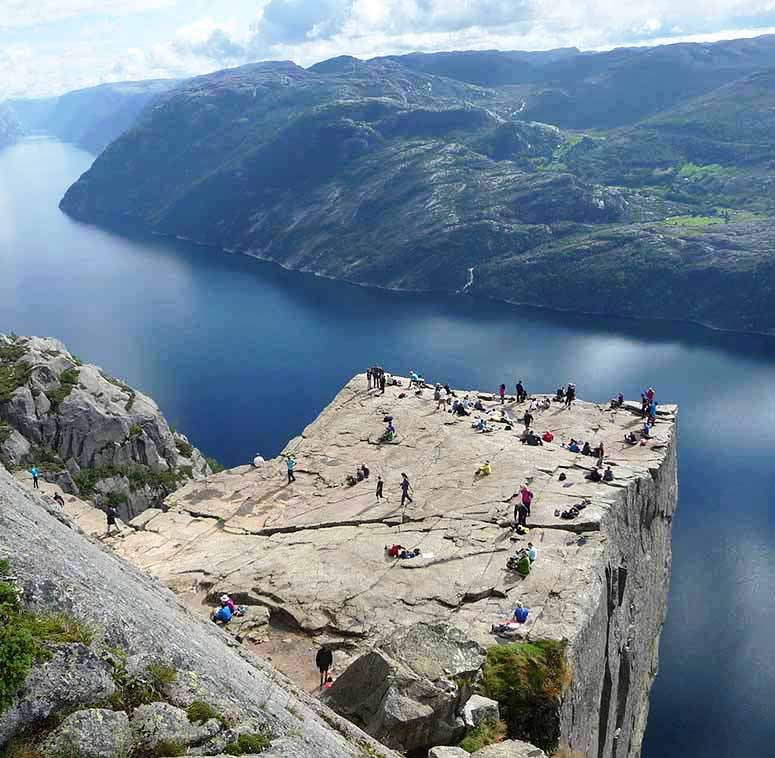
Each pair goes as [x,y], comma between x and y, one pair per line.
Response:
[527,679]
[25,637]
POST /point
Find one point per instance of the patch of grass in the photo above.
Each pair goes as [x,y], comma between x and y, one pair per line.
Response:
[168,748]
[161,675]
[12,377]
[25,637]
[692,221]
[215,466]
[11,353]
[246,744]
[488,732]
[691,170]
[199,712]
[136,689]
[184,448]
[67,380]
[135,430]
[528,679]
[60,629]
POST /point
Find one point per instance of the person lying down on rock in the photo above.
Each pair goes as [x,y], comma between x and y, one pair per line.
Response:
[399,551]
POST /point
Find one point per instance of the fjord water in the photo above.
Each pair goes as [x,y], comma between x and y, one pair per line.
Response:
[240,355]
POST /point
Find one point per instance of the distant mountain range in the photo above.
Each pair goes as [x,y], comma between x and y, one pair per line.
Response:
[10,129]
[637,181]
[90,118]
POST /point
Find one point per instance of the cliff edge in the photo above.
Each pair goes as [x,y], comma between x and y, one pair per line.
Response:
[312,552]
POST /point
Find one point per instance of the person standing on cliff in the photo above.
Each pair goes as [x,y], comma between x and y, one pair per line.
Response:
[570,395]
[291,464]
[521,392]
[380,485]
[324,660]
[35,474]
[382,381]
[368,376]
[111,514]
[502,393]
[405,487]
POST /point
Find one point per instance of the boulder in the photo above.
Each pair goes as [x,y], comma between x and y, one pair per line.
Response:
[407,692]
[447,752]
[479,709]
[510,749]
[93,733]
[13,447]
[73,676]
[157,723]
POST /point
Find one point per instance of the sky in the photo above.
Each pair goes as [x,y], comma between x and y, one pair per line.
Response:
[48,47]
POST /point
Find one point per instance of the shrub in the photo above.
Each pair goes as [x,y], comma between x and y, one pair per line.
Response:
[527,679]
[135,430]
[161,675]
[487,733]
[115,499]
[184,448]
[12,377]
[168,748]
[199,712]
[215,466]
[67,380]
[246,744]
[25,636]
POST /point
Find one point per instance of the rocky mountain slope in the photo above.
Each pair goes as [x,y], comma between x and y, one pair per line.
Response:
[381,173]
[90,433]
[10,129]
[93,117]
[584,90]
[313,554]
[99,660]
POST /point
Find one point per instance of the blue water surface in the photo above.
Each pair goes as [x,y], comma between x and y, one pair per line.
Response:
[241,355]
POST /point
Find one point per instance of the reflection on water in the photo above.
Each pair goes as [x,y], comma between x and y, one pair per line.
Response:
[241,355]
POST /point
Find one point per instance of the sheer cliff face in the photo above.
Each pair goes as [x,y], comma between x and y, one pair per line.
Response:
[61,570]
[10,129]
[615,655]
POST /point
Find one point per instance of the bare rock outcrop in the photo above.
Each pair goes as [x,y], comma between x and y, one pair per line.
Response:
[313,552]
[408,691]
[90,433]
[143,654]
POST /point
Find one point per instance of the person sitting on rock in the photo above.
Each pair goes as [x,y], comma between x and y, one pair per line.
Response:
[258,460]
[329,682]
[586,450]
[484,470]
[532,553]
[222,615]
[364,469]
[631,438]
[523,565]
[481,425]
[409,553]
[559,395]
[479,405]
[574,446]
[59,500]
[618,401]
[229,603]
[594,476]
[520,613]
[529,437]
[609,475]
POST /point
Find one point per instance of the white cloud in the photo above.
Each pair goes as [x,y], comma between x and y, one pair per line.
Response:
[22,13]
[308,31]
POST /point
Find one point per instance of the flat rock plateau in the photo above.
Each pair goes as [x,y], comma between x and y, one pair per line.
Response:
[310,556]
